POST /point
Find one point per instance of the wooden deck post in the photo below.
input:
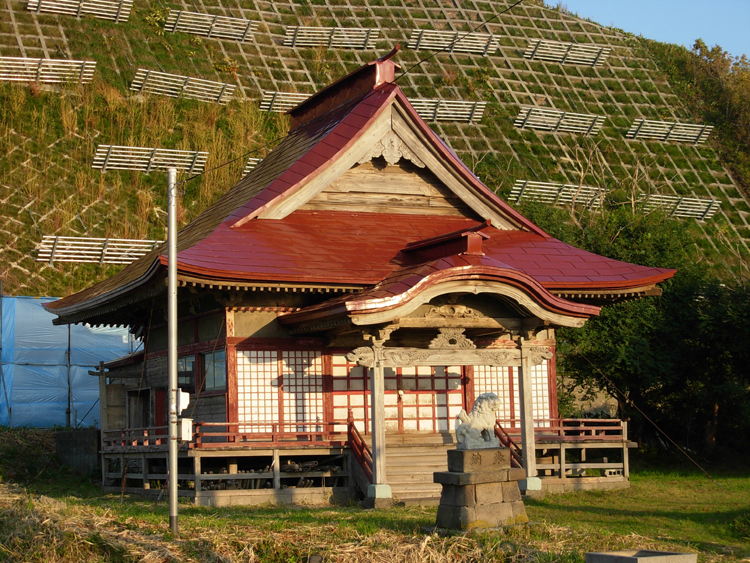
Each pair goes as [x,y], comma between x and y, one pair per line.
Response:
[528,443]
[625,460]
[103,416]
[276,470]
[197,469]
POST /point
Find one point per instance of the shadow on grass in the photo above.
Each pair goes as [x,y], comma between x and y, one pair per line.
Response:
[720,525]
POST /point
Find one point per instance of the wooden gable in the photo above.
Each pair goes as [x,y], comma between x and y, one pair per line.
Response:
[379,187]
[391,167]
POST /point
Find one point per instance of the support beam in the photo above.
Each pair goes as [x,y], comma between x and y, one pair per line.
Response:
[528,442]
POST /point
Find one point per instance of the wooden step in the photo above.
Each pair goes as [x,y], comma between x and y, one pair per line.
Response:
[410,467]
[416,438]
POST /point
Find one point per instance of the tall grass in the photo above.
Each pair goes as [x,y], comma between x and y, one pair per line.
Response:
[49,172]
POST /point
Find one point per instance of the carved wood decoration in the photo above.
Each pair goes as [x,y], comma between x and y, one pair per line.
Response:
[461,352]
[392,148]
[407,357]
[538,354]
[454,312]
[452,339]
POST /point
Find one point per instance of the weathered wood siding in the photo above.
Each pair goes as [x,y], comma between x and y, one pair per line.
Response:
[402,188]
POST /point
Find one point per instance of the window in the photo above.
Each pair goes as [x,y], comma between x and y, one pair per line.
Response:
[186,373]
[215,371]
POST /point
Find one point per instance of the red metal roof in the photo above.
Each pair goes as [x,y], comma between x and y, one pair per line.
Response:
[364,248]
[229,242]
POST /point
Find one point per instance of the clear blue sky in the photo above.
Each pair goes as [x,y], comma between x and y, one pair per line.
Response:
[717,22]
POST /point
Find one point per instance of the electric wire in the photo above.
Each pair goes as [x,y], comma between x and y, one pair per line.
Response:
[458,39]
[407,71]
[629,401]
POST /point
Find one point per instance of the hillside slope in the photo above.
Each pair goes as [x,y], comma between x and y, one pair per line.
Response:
[48,137]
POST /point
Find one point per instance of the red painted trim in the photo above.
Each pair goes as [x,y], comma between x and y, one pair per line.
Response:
[468,384]
[250,343]
[327,382]
[367,303]
[231,405]
[450,157]
[189,349]
[512,393]
[191,318]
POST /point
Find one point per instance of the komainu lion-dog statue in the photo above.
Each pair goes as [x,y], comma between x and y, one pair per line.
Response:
[477,429]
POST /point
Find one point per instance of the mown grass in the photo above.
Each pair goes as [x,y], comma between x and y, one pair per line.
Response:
[49,514]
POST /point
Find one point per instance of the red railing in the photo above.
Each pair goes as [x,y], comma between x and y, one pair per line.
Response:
[234,434]
[132,437]
[358,447]
[570,429]
[515,451]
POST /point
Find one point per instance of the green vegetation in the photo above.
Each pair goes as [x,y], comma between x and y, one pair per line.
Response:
[715,86]
[47,137]
[679,360]
[49,514]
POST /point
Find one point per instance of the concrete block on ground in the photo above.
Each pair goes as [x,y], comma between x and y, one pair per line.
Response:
[640,556]
[511,492]
[456,495]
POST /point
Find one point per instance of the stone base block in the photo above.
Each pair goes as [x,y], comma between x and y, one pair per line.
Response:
[379,491]
[478,477]
[464,461]
[480,490]
[481,516]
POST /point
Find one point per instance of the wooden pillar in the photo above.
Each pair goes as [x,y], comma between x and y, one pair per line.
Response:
[379,488]
[528,442]
[377,390]
[197,469]
[562,461]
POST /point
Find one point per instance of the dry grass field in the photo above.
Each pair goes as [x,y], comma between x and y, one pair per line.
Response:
[49,514]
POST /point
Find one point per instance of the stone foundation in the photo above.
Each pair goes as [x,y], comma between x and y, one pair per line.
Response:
[480,490]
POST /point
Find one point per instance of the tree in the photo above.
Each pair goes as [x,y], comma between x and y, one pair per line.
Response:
[682,358]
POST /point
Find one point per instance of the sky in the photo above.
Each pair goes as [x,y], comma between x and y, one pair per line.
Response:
[717,22]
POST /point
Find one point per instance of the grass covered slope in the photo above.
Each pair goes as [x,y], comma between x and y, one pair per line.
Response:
[56,516]
[48,138]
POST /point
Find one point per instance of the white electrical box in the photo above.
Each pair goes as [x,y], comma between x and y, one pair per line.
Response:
[186,429]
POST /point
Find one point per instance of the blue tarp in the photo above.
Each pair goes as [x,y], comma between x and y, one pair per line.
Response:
[35,371]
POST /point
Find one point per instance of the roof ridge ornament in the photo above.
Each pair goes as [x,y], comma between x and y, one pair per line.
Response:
[392,148]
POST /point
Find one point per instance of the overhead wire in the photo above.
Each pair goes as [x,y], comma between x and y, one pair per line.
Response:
[458,39]
[629,401]
[407,71]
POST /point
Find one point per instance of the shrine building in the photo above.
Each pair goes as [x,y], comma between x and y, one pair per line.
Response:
[338,307]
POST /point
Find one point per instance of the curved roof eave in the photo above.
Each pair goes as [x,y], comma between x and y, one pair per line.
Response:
[373,302]
[119,291]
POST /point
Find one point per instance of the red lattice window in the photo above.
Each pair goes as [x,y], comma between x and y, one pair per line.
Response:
[275,386]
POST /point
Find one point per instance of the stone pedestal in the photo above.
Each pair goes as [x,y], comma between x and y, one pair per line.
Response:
[480,490]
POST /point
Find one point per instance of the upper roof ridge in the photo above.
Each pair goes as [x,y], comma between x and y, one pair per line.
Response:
[349,89]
